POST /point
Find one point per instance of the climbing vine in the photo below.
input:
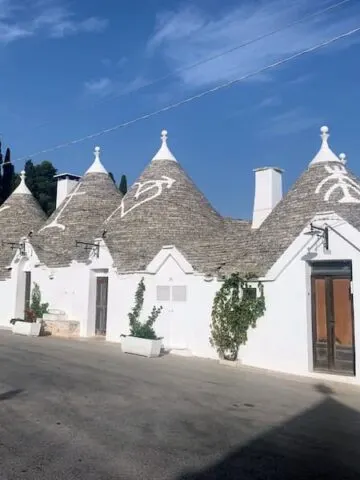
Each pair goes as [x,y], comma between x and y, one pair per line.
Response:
[236,308]
[137,328]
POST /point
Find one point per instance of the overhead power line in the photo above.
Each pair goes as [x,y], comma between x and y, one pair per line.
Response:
[211,58]
[195,97]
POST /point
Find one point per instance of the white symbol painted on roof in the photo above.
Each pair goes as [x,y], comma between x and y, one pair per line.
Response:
[156,185]
[339,175]
[54,223]
[4,208]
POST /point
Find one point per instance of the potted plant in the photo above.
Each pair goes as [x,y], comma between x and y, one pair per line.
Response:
[236,308]
[142,339]
[31,323]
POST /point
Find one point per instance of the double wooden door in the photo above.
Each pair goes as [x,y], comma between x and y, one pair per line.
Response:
[333,329]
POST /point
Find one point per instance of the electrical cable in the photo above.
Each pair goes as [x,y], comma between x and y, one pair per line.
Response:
[194,97]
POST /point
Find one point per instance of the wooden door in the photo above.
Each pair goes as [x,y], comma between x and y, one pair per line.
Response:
[101,305]
[343,330]
[333,332]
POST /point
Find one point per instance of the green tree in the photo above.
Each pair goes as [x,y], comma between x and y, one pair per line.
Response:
[138,329]
[1,177]
[123,185]
[37,307]
[8,177]
[112,177]
[42,184]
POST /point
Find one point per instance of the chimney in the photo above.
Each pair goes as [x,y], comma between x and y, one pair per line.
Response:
[65,183]
[268,192]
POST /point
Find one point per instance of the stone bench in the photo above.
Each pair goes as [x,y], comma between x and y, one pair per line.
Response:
[56,324]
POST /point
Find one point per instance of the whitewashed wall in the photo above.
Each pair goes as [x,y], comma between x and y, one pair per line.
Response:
[7,299]
[187,322]
[282,340]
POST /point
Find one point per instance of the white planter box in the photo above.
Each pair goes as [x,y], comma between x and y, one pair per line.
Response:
[25,328]
[141,346]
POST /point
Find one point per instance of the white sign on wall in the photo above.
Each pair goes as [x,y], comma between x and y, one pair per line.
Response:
[338,180]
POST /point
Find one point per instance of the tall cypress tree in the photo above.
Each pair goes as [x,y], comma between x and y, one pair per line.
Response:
[123,185]
[8,176]
[1,176]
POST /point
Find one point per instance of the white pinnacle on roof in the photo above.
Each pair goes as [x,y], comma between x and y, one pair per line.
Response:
[97,166]
[22,189]
[325,154]
[342,157]
[164,151]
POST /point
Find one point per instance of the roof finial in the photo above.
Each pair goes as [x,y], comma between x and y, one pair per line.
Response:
[22,188]
[97,166]
[324,135]
[97,153]
[342,157]
[164,153]
[325,154]
[164,135]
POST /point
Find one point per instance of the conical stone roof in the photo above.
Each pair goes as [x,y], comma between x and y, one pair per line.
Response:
[19,215]
[80,217]
[163,207]
[326,186]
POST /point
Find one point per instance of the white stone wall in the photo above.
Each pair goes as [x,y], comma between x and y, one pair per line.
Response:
[7,296]
[184,325]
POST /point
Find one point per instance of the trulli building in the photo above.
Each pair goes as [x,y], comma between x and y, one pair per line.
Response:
[304,246]
[20,217]
[60,248]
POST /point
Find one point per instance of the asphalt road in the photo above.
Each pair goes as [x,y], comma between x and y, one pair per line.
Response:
[82,410]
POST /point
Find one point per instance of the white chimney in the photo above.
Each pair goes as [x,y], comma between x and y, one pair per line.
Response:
[65,183]
[268,192]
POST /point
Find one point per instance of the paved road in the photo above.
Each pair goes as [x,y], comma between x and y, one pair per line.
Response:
[80,410]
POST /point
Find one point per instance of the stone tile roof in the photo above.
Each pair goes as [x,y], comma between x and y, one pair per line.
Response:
[326,186]
[306,198]
[19,215]
[79,217]
[163,207]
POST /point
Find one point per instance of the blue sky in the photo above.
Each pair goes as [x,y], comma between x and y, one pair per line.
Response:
[71,68]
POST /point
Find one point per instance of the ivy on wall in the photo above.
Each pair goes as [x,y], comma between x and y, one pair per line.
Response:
[236,308]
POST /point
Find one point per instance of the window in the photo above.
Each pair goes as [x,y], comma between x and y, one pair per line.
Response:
[179,293]
[250,293]
[162,293]
[176,293]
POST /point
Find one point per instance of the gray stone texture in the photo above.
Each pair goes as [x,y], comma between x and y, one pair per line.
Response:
[295,212]
[23,215]
[83,219]
[179,216]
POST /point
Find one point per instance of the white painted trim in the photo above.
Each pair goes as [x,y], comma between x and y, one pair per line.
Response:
[97,166]
[164,152]
[22,189]
[162,256]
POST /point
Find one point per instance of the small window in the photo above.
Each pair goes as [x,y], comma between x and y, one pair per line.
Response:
[250,293]
[162,293]
[179,293]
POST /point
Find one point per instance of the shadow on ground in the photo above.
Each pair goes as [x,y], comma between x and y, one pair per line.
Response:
[10,394]
[321,443]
